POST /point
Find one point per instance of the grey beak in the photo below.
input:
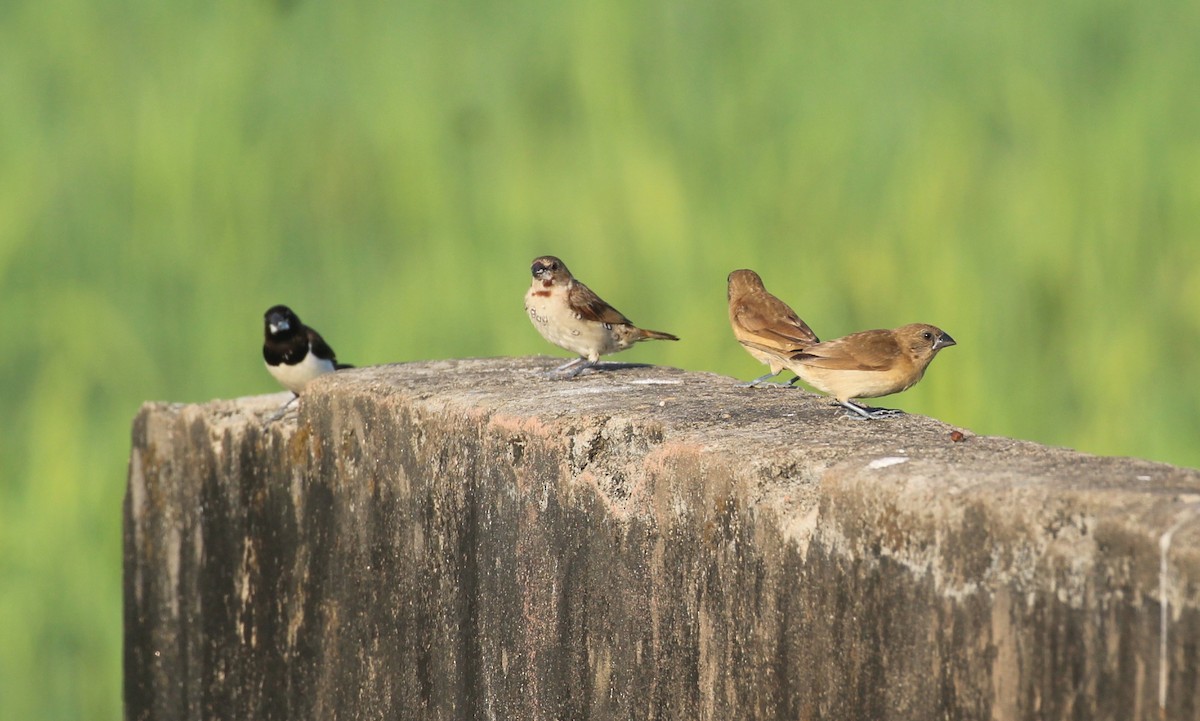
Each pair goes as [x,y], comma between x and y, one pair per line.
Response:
[944,340]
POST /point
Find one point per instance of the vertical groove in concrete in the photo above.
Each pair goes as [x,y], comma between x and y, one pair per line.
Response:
[466,540]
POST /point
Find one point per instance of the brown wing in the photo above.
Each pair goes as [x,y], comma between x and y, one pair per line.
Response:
[773,324]
[870,350]
[589,306]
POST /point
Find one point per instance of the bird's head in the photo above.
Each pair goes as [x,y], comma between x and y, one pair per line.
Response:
[548,270]
[280,322]
[741,282]
[924,340]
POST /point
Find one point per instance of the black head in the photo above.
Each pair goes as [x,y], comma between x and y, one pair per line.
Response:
[281,322]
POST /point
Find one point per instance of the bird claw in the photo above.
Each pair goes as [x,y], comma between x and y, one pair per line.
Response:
[578,369]
[282,410]
[865,413]
[757,381]
[568,370]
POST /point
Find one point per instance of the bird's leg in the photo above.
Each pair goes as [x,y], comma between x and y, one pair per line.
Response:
[568,364]
[862,413]
[554,373]
[581,367]
[282,409]
[756,381]
[760,381]
[855,411]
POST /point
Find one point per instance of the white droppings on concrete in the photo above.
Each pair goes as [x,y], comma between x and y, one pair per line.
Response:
[887,461]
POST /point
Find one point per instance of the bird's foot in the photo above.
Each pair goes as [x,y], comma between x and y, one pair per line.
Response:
[282,410]
[579,368]
[570,369]
[865,413]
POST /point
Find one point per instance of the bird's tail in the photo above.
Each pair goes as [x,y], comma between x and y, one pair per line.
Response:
[341,366]
[644,334]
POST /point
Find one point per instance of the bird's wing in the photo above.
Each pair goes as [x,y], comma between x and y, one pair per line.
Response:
[589,306]
[870,350]
[320,347]
[774,324]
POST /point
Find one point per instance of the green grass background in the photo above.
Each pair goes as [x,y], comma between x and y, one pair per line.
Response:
[1025,175]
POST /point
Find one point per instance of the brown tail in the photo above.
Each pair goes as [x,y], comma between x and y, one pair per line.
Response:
[644,334]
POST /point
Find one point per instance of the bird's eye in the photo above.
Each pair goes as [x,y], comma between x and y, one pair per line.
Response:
[927,335]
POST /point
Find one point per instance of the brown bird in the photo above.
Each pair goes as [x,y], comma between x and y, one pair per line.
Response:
[765,326]
[870,364]
[568,314]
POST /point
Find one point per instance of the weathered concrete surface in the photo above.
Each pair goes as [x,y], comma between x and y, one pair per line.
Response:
[467,540]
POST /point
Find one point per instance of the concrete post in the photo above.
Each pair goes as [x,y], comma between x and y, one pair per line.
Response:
[468,540]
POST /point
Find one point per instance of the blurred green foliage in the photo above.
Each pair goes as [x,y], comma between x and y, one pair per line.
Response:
[1025,175]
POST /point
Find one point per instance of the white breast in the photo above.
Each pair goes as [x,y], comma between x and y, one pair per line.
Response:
[554,320]
[295,377]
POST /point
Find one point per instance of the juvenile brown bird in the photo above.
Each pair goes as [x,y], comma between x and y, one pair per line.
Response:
[765,326]
[568,314]
[870,364]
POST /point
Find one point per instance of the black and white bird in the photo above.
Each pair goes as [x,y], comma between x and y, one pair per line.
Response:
[294,353]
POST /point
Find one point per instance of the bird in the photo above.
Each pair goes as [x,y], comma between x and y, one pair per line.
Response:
[767,328]
[568,314]
[294,353]
[870,364]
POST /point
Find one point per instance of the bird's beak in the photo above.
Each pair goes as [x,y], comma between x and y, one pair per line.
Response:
[276,327]
[943,341]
